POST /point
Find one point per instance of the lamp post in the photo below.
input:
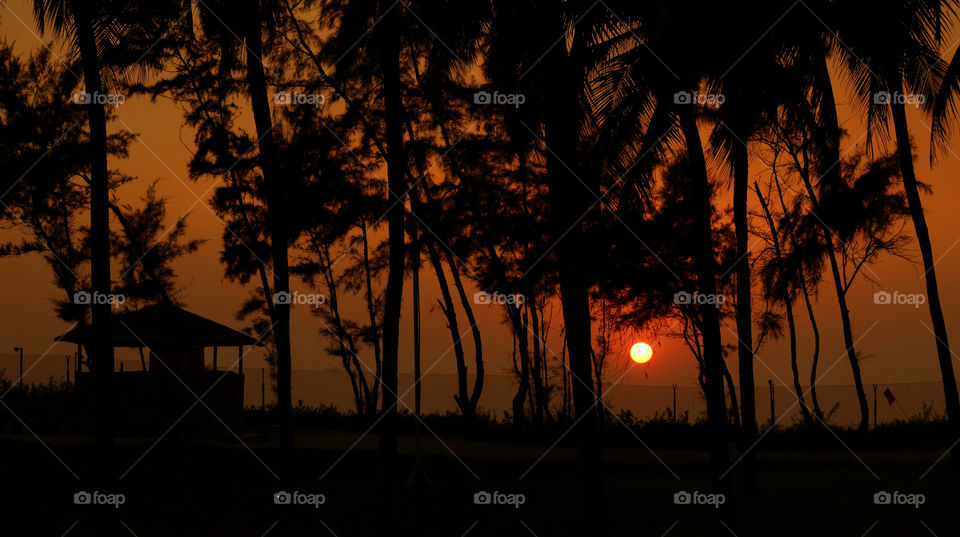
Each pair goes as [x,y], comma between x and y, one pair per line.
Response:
[20,350]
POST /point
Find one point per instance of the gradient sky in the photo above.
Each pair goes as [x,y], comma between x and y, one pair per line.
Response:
[896,344]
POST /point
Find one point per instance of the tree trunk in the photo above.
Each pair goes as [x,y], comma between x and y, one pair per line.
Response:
[451,263]
[462,397]
[101,351]
[788,303]
[538,388]
[539,364]
[277,214]
[705,266]
[912,190]
[838,285]
[389,46]
[474,332]
[520,332]
[351,364]
[748,406]
[468,405]
[734,407]
[374,400]
[567,203]
[831,159]
[817,412]
[415,259]
[565,379]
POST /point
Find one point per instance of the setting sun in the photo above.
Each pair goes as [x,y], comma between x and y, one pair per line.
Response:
[641,352]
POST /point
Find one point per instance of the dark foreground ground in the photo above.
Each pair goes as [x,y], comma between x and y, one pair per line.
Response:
[188,487]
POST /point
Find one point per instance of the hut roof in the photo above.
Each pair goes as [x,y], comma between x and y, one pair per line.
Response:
[163,325]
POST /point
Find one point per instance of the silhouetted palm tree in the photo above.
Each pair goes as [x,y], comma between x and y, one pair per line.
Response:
[384,55]
[87,25]
[890,50]
[242,28]
[555,121]
[809,115]
[642,99]
[749,85]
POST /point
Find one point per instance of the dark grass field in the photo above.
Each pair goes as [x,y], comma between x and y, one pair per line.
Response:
[187,487]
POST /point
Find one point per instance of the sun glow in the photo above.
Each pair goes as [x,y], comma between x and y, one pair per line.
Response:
[641,352]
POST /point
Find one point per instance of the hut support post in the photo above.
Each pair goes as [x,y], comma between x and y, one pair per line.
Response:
[214,357]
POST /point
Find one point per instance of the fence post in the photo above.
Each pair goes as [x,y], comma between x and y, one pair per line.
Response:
[263,391]
[874,406]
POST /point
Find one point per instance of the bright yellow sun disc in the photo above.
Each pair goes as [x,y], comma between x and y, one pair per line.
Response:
[641,352]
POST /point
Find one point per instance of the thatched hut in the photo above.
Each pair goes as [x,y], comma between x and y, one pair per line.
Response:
[175,375]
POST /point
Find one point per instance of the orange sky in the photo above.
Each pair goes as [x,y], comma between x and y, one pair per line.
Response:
[896,348]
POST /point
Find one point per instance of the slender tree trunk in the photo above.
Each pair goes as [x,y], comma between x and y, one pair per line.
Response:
[277,215]
[454,269]
[788,303]
[816,351]
[520,332]
[567,204]
[467,404]
[539,365]
[810,314]
[101,351]
[748,406]
[597,363]
[419,475]
[792,328]
[374,400]
[545,366]
[831,162]
[535,363]
[564,70]
[912,190]
[474,332]
[734,407]
[565,403]
[415,258]
[531,392]
[838,285]
[389,49]
[462,397]
[705,266]
[351,364]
